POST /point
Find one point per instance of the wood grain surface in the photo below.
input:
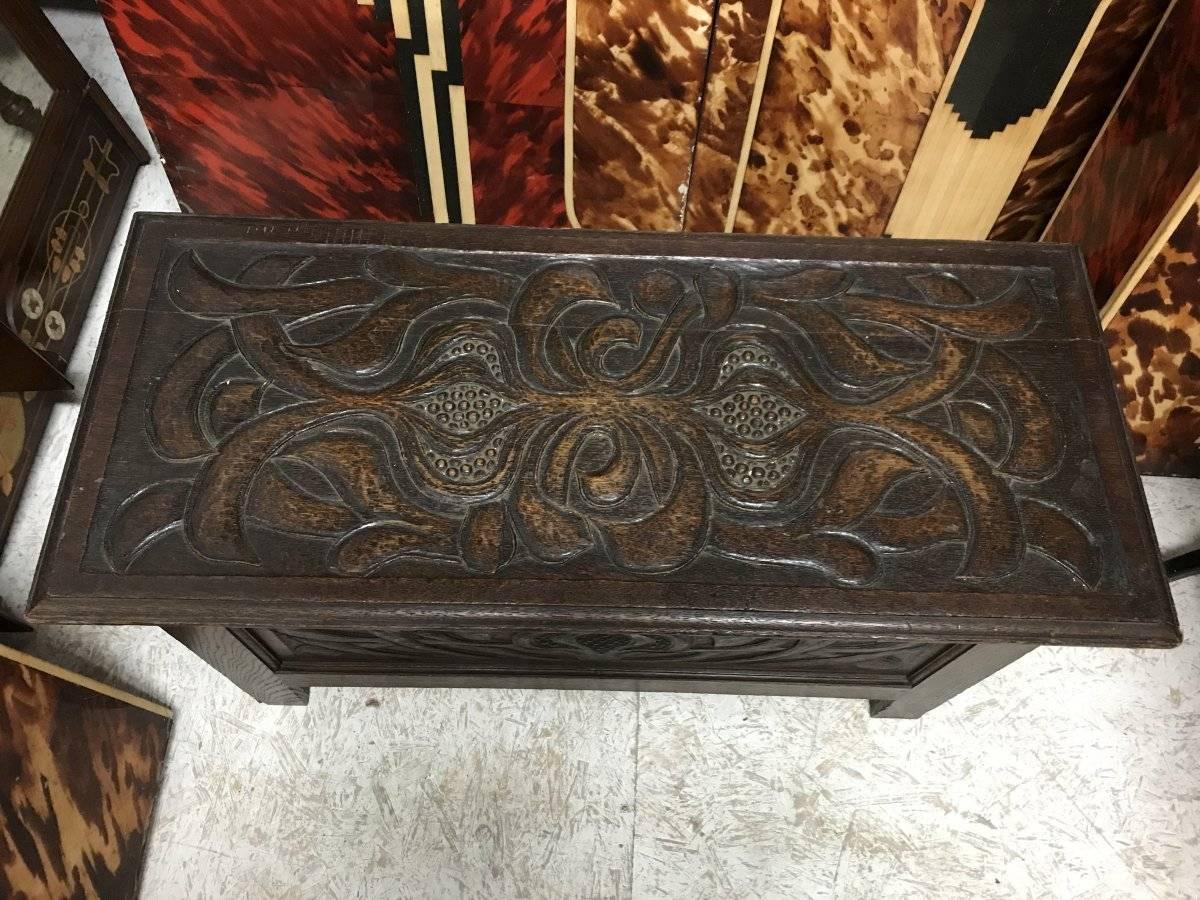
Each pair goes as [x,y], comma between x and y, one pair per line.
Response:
[81,775]
[849,89]
[1154,345]
[679,425]
[1140,166]
[638,74]
[1093,90]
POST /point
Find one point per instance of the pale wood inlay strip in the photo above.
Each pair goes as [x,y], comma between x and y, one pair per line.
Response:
[569,118]
[760,80]
[1185,201]
[958,184]
[83,681]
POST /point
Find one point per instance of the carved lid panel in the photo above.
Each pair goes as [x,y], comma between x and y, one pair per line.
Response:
[431,413]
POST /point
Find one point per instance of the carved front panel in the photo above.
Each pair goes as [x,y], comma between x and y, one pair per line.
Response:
[518,650]
[358,411]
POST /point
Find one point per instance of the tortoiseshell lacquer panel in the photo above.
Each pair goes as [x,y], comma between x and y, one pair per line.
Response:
[1142,161]
[850,86]
[80,772]
[1154,344]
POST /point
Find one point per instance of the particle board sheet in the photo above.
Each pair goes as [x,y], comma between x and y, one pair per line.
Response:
[1132,189]
[636,79]
[1007,77]
[1154,346]
[1093,90]
[82,764]
[848,91]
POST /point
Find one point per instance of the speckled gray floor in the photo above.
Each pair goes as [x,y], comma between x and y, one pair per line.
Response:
[1072,774]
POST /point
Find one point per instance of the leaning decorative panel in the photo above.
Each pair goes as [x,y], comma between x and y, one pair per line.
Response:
[82,763]
[847,94]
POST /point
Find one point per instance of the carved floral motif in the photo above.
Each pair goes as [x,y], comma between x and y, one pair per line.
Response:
[422,410]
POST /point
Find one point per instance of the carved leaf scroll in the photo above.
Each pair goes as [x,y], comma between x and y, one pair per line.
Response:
[467,417]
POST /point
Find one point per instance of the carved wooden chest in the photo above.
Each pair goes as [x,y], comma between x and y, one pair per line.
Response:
[327,454]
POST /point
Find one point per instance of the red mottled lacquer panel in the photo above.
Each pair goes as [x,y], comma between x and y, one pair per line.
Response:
[283,150]
[1154,346]
[517,163]
[1089,96]
[319,43]
[1142,160]
[270,109]
[514,51]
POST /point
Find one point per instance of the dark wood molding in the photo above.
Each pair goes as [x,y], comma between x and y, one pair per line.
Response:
[221,649]
[965,670]
[383,453]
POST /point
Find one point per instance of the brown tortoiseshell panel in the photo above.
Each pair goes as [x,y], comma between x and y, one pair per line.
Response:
[332,44]
[1142,161]
[732,72]
[1089,96]
[79,772]
[517,163]
[639,73]
[849,89]
[514,51]
[1154,345]
[239,147]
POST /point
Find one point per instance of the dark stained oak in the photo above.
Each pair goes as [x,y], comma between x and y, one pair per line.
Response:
[434,454]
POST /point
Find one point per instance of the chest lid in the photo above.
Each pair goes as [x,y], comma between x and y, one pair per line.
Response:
[427,423]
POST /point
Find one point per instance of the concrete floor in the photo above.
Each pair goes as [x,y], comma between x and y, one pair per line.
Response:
[1071,774]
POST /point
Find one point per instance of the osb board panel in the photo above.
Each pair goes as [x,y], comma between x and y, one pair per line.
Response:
[638,76]
[1154,345]
[733,69]
[1094,87]
[1143,159]
[80,772]
[849,89]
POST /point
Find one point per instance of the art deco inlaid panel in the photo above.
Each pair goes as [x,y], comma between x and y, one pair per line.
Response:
[1089,96]
[1142,163]
[428,413]
[57,266]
